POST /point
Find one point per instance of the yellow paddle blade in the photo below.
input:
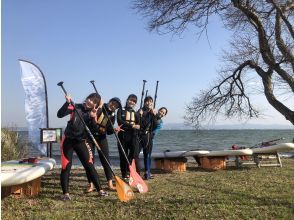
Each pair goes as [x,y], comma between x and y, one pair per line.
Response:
[124,191]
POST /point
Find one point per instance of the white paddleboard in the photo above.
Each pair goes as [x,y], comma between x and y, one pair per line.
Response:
[15,173]
[277,148]
[168,154]
[176,154]
[223,153]
[196,153]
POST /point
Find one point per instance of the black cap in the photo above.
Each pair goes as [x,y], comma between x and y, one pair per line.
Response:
[116,99]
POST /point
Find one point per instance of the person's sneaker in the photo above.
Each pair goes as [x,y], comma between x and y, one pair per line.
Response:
[102,193]
[146,177]
[65,197]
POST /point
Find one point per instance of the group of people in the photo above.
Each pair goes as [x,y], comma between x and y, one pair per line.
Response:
[135,131]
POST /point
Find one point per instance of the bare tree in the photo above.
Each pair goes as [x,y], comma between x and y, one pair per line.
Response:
[262,45]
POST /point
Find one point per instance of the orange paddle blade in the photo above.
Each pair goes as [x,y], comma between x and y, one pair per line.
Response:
[137,181]
[124,191]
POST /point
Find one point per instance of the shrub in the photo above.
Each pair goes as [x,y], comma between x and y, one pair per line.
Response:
[11,146]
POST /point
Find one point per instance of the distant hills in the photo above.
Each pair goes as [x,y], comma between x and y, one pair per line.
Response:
[25,128]
[182,126]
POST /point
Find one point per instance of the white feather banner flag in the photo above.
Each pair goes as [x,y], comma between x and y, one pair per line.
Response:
[35,102]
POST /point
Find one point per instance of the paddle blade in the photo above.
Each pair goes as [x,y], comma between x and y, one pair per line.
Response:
[124,191]
[133,165]
[137,181]
[132,168]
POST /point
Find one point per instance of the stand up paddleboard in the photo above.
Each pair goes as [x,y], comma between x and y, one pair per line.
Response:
[175,160]
[277,148]
[16,172]
[223,153]
[178,154]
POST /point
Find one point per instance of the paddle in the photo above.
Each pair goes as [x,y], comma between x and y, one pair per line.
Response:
[140,118]
[267,143]
[146,93]
[141,106]
[155,95]
[135,179]
[149,152]
[142,95]
[124,192]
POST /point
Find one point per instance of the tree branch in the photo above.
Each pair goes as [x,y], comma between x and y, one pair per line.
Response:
[288,6]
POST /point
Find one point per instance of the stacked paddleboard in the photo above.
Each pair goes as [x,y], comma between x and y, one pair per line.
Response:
[217,158]
[277,148]
[16,172]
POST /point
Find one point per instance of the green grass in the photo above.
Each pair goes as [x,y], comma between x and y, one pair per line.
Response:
[246,193]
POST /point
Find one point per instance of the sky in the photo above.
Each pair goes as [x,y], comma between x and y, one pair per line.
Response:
[76,41]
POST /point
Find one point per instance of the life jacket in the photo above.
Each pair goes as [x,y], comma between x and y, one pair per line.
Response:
[128,115]
[102,123]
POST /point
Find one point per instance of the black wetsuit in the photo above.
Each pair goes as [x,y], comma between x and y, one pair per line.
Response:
[75,140]
[99,131]
[148,122]
[127,117]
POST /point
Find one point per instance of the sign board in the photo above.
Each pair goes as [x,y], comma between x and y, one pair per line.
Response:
[51,135]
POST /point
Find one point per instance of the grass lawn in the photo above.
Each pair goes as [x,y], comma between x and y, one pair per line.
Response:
[246,193]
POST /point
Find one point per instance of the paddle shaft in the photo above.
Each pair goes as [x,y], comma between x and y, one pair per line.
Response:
[141,106]
[267,142]
[112,126]
[142,95]
[87,129]
[272,140]
[155,95]
[150,140]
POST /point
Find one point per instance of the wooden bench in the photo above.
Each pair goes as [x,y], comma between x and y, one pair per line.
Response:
[213,163]
[171,164]
[31,188]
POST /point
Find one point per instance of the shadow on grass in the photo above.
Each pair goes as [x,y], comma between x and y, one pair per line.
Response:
[77,183]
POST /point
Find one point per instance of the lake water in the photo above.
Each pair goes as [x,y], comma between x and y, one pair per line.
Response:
[190,140]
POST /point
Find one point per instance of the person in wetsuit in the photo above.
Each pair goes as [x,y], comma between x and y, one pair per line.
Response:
[75,139]
[148,121]
[128,120]
[100,126]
